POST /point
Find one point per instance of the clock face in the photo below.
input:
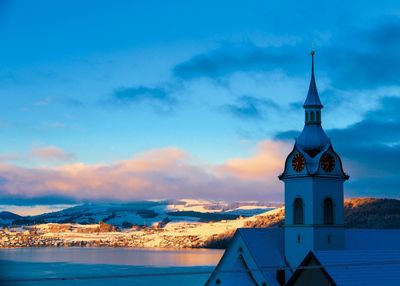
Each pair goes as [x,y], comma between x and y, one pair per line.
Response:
[327,163]
[298,162]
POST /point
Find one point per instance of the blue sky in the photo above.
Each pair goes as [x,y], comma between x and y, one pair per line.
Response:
[211,87]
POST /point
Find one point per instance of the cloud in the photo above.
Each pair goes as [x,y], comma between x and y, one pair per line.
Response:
[51,153]
[66,101]
[44,101]
[157,174]
[72,102]
[365,56]
[370,149]
[229,59]
[360,60]
[9,157]
[269,160]
[25,210]
[57,125]
[250,107]
[39,154]
[159,98]
[139,94]
[21,199]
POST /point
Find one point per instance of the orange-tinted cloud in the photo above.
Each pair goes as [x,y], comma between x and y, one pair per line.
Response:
[51,153]
[39,155]
[156,174]
[268,161]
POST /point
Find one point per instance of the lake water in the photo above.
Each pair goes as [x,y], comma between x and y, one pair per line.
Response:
[106,266]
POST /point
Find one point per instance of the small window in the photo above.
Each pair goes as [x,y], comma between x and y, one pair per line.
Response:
[318,116]
[306,116]
[298,238]
[329,239]
[312,116]
[328,211]
[298,211]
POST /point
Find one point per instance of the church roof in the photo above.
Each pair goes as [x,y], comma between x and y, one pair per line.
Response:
[266,246]
[375,249]
[312,99]
[261,254]
[376,239]
[361,267]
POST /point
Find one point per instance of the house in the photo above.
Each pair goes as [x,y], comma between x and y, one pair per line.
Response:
[313,247]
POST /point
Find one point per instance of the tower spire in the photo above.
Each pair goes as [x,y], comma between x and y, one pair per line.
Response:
[312,99]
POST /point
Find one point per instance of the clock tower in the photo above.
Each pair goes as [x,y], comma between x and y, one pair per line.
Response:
[313,178]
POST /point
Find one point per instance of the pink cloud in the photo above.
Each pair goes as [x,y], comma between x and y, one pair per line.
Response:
[51,153]
[47,154]
[156,174]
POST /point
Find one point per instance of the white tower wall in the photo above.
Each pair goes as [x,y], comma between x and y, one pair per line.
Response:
[313,234]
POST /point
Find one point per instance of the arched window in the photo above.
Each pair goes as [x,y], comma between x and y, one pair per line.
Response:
[318,114]
[328,211]
[312,116]
[298,211]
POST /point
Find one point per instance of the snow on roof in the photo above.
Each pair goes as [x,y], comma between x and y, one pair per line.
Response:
[372,257]
[235,275]
[313,137]
[373,239]
[361,267]
[266,246]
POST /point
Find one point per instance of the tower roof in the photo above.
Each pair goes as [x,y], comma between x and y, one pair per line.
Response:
[313,138]
[312,99]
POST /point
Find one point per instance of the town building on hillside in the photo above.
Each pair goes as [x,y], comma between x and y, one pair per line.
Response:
[313,248]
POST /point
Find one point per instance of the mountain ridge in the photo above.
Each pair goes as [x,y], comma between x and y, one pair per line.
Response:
[145,213]
[182,231]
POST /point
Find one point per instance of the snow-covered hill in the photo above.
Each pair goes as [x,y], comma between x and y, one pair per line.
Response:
[147,213]
[6,218]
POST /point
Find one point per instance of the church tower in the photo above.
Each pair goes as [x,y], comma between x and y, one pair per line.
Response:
[313,178]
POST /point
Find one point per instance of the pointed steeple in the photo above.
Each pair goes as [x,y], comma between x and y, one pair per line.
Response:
[312,99]
[313,138]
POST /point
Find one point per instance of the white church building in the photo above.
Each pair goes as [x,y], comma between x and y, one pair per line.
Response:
[313,247]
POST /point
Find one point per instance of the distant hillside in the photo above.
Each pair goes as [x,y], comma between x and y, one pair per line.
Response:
[372,213]
[8,216]
[143,213]
[178,224]
[359,213]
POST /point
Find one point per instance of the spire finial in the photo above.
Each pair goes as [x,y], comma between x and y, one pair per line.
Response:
[312,61]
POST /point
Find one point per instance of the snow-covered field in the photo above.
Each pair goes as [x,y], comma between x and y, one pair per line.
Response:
[152,224]
[181,234]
